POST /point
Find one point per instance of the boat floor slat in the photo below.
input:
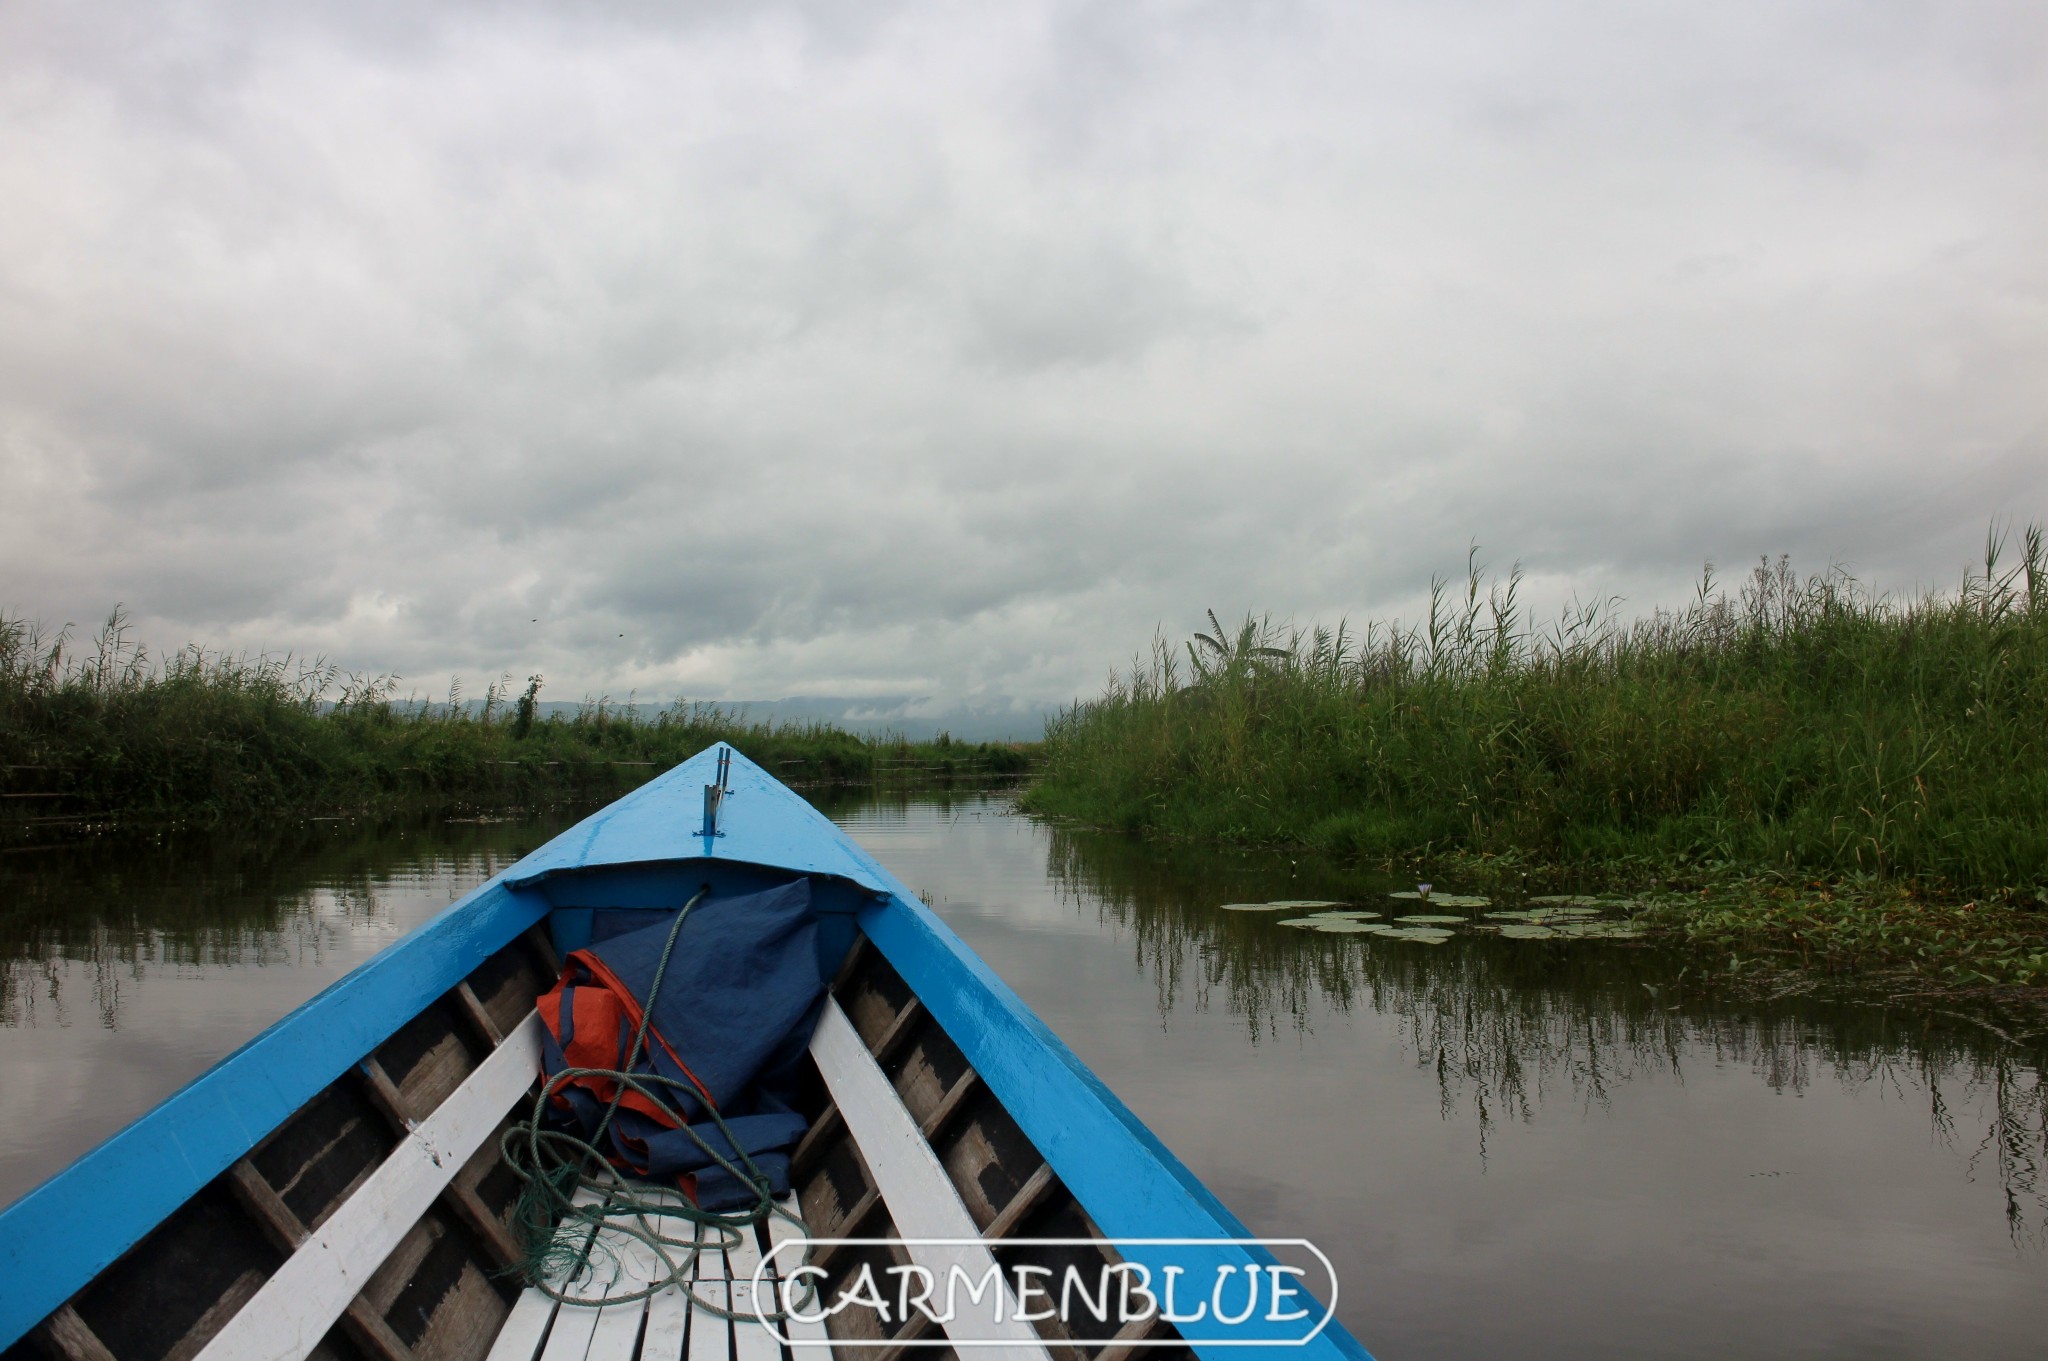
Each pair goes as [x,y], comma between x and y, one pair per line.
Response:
[806,1338]
[569,1338]
[710,1335]
[289,1313]
[913,1182]
[617,1333]
[520,1338]
[664,1327]
[751,1341]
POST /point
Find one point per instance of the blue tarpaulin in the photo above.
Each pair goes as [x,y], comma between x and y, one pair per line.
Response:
[730,1026]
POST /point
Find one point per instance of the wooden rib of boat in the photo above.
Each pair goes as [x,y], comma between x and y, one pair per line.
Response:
[334,1190]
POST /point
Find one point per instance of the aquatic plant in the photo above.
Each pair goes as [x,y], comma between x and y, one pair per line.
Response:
[108,728]
[1800,724]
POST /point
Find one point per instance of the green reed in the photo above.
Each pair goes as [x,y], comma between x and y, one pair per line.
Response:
[108,728]
[1800,723]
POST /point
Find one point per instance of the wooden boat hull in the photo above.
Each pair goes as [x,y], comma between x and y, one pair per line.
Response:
[254,1214]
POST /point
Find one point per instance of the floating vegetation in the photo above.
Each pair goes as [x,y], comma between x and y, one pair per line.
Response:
[1443,899]
[1421,935]
[1595,930]
[1434,928]
[1287,905]
[1527,931]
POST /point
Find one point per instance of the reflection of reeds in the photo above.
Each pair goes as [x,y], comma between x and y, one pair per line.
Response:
[102,910]
[1800,722]
[108,728]
[1506,1027]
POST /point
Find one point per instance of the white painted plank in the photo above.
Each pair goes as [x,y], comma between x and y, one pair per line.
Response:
[527,1323]
[751,1339]
[804,1336]
[569,1339]
[913,1182]
[710,1336]
[667,1313]
[524,1327]
[296,1306]
[586,1332]
[668,1322]
[674,1330]
[742,1257]
[618,1326]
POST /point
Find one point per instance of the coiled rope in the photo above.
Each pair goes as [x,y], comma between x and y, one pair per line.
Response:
[575,1206]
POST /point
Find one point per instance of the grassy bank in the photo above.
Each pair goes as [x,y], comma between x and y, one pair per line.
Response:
[1757,930]
[107,729]
[1798,731]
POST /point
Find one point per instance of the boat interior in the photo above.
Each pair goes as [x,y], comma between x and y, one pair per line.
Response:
[377,1223]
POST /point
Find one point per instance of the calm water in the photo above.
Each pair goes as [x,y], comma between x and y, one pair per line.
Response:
[1508,1148]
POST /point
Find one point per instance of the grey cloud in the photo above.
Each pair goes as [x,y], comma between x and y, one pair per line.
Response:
[929,350]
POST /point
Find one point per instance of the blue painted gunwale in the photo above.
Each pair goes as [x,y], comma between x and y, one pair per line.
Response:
[57,1238]
[54,1240]
[1130,1183]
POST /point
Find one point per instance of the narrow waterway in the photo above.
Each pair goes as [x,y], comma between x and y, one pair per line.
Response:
[1527,1148]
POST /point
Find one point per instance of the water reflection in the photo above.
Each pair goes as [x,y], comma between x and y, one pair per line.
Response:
[92,911]
[1509,1027]
[1509,1147]
[132,961]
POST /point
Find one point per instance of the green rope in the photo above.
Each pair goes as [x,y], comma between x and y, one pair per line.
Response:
[560,1236]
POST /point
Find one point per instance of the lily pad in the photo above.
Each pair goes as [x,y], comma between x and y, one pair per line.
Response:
[1303,921]
[1421,935]
[1528,932]
[1596,931]
[1552,916]
[1444,899]
[1433,919]
[1350,928]
[1348,914]
[1282,905]
[1512,914]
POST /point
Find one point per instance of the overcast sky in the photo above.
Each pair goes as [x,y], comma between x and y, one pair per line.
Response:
[940,349]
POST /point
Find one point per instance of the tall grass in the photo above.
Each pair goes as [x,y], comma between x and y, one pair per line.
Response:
[107,728]
[1801,722]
